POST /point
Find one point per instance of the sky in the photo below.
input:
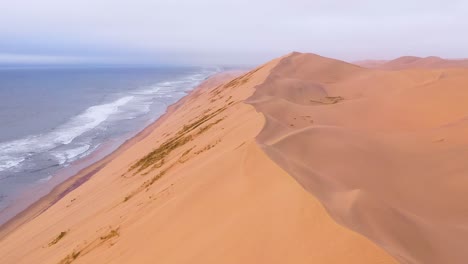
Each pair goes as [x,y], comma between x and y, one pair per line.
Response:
[240,32]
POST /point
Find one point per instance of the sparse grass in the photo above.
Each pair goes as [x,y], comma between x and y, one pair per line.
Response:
[200,121]
[156,165]
[58,238]
[242,79]
[112,233]
[233,82]
[328,100]
[150,182]
[207,147]
[70,257]
[147,183]
[75,254]
[155,158]
[205,128]
[87,247]
[335,99]
[206,111]
[187,152]
[216,91]
[183,158]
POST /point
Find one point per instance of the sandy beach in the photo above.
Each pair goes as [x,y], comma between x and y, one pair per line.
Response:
[61,189]
[304,159]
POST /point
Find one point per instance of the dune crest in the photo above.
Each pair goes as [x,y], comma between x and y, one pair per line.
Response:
[384,151]
[305,159]
[194,188]
[412,62]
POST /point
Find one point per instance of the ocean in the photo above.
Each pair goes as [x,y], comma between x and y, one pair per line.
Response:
[52,117]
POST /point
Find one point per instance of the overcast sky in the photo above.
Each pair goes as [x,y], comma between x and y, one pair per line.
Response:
[228,32]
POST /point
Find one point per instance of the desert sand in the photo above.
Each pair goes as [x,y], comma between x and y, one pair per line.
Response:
[302,160]
[196,189]
[413,62]
[384,151]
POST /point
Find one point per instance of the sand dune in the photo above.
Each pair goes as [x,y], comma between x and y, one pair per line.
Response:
[195,188]
[370,63]
[384,151]
[412,62]
[303,160]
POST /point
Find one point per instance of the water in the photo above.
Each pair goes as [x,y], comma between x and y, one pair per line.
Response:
[52,117]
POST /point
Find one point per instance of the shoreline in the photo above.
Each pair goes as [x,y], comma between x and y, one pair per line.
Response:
[196,184]
[77,179]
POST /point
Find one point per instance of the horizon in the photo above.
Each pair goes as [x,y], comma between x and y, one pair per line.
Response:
[61,63]
[207,32]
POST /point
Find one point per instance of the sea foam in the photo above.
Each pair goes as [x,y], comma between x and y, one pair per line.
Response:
[13,153]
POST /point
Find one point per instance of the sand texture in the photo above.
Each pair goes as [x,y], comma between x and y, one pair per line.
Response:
[384,151]
[195,188]
[302,160]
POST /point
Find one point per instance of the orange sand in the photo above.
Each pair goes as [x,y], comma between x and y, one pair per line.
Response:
[220,200]
[411,62]
[302,160]
[384,151]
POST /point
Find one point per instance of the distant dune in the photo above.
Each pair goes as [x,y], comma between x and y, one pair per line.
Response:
[193,188]
[305,159]
[384,151]
[370,63]
[411,62]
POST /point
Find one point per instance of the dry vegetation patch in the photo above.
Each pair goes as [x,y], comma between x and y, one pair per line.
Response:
[328,100]
[88,247]
[155,158]
[58,238]
[70,257]
[242,79]
[112,233]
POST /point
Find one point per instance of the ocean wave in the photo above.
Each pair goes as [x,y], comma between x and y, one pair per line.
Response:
[69,155]
[133,104]
[45,179]
[88,120]
[13,153]
[162,92]
[7,162]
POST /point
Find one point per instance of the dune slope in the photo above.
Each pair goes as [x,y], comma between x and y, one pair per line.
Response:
[196,189]
[384,151]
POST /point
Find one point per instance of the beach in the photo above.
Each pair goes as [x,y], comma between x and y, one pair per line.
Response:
[304,159]
[80,175]
[58,121]
[232,190]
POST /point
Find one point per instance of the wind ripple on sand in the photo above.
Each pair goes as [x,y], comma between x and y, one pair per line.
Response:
[373,146]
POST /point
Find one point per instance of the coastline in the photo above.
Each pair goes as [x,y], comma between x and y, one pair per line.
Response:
[196,184]
[61,189]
